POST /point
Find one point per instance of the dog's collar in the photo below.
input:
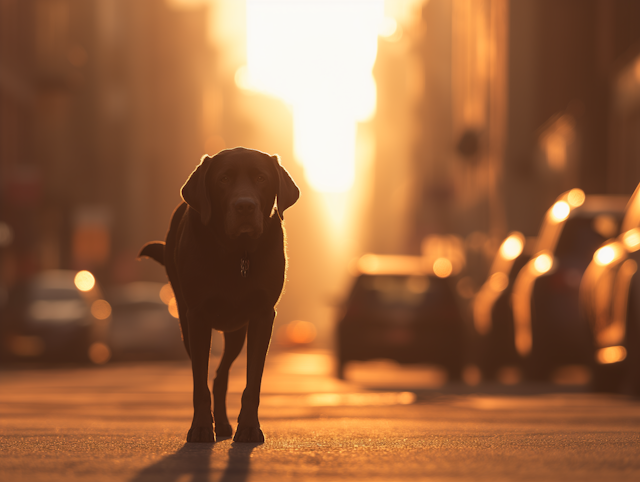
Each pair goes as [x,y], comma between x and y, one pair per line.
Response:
[244,265]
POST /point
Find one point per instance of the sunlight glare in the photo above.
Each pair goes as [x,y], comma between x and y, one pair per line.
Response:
[317,57]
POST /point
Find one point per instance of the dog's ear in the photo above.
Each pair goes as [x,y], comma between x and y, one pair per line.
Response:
[288,192]
[195,192]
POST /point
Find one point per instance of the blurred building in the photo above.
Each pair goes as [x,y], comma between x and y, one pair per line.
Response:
[440,124]
[489,109]
[102,120]
[568,125]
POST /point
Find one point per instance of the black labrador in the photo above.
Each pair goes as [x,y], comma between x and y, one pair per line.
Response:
[225,258]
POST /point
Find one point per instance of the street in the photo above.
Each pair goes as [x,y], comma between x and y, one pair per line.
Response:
[128,421]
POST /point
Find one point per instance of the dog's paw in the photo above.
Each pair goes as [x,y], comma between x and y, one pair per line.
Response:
[249,434]
[223,430]
[202,434]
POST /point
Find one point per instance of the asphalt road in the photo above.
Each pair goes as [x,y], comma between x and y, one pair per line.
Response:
[128,422]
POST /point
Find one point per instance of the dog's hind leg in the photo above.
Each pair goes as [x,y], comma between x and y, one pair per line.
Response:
[233,343]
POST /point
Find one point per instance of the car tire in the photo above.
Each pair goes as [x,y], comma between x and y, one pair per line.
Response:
[454,373]
[340,368]
[607,378]
[488,360]
[537,367]
[631,379]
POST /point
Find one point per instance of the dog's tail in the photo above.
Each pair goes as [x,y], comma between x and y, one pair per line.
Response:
[153,250]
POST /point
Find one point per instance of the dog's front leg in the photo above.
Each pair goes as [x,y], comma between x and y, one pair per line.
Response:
[258,339]
[200,347]
[233,343]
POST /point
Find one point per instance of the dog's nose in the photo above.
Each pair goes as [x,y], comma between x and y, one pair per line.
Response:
[244,206]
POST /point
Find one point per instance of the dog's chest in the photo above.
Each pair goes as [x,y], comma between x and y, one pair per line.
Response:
[234,278]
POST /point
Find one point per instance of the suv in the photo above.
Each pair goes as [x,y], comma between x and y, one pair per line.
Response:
[403,310]
[549,330]
[610,301]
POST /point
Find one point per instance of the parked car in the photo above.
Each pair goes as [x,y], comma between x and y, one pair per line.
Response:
[492,310]
[57,315]
[610,299]
[549,331]
[402,308]
[145,322]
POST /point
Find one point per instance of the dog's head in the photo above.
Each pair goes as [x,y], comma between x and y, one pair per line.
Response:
[240,189]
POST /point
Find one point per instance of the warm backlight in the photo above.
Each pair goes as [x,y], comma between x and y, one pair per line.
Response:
[84,281]
[560,211]
[512,246]
[317,57]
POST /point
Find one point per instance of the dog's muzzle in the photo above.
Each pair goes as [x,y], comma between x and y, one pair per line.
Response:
[244,219]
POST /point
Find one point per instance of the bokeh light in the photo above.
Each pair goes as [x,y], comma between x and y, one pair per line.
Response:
[301,332]
[512,246]
[560,211]
[576,197]
[172,306]
[84,280]
[442,267]
[612,354]
[101,309]
[605,225]
[99,353]
[543,263]
[166,294]
[605,255]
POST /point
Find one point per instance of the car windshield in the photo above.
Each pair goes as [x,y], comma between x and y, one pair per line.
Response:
[391,290]
[53,294]
[139,306]
[580,238]
[632,217]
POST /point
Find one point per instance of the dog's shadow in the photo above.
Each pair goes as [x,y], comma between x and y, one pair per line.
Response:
[193,463]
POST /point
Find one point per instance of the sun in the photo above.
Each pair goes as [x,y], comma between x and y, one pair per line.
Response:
[318,57]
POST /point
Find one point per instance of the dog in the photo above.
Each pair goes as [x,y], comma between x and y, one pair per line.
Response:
[225,258]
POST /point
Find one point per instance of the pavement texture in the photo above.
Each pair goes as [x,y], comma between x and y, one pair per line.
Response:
[128,422]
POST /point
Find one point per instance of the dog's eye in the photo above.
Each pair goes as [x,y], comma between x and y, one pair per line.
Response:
[260,178]
[224,179]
